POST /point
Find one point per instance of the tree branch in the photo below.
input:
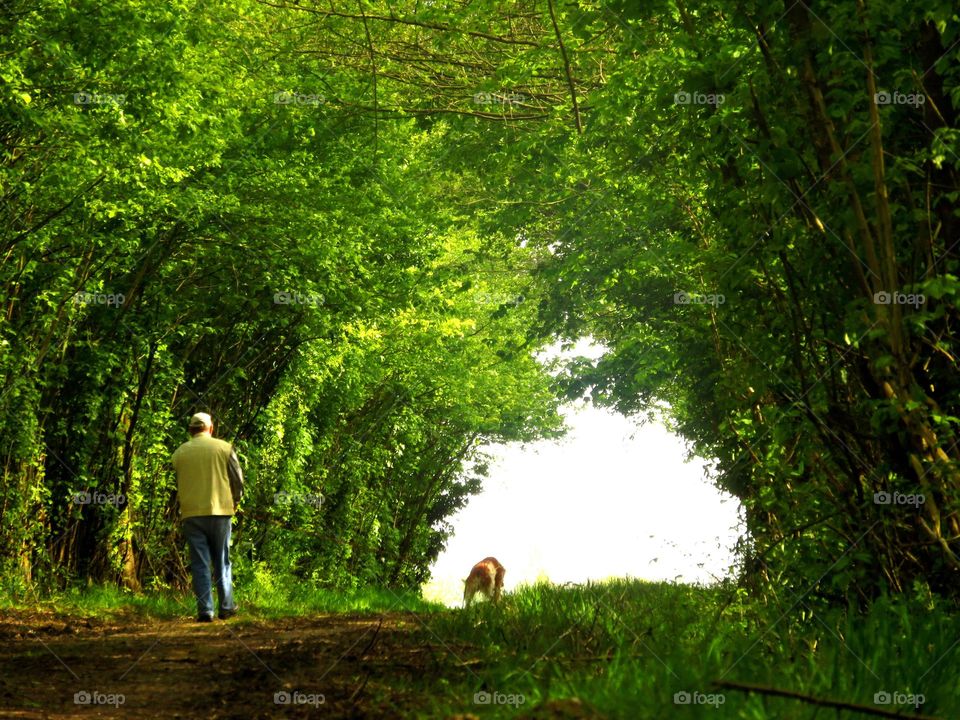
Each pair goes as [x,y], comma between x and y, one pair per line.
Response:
[823,702]
[566,68]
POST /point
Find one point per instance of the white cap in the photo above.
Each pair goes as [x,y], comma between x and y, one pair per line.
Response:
[201,420]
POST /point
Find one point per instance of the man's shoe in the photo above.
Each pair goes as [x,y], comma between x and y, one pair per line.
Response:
[226,614]
[205,617]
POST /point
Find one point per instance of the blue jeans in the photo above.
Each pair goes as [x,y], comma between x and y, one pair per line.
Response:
[209,540]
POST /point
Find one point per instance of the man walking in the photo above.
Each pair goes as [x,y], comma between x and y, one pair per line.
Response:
[209,487]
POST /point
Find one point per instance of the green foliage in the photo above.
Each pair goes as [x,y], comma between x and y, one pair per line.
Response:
[768,253]
[194,223]
[347,231]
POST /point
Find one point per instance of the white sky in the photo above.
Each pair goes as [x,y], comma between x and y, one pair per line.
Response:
[611,499]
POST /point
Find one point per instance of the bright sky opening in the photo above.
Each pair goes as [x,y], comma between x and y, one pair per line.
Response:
[611,499]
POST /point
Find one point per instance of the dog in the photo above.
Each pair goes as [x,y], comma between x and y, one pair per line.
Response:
[485,578]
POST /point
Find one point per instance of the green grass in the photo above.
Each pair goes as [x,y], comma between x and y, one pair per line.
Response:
[627,648]
[98,601]
[264,598]
[268,598]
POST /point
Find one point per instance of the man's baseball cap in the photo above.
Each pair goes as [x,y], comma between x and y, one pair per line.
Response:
[201,420]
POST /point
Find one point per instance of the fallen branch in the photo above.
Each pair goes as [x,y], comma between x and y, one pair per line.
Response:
[824,702]
[376,633]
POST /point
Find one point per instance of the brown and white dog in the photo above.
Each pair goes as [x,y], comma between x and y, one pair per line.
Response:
[486,578]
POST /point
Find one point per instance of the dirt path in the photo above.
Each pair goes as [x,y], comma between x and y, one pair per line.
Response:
[333,666]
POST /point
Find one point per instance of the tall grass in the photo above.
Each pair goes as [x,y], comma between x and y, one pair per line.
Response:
[641,650]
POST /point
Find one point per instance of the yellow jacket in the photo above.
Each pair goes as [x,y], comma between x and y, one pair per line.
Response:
[209,479]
